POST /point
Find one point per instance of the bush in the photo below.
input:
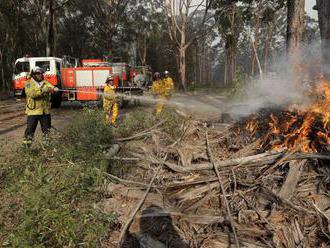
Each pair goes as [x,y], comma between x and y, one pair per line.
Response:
[85,139]
[48,192]
[58,209]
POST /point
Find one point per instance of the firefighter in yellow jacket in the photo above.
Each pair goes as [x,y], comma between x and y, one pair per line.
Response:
[38,103]
[158,91]
[110,106]
[168,85]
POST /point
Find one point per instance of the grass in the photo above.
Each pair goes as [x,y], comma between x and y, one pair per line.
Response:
[48,192]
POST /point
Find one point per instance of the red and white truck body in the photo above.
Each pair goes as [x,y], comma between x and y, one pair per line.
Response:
[78,83]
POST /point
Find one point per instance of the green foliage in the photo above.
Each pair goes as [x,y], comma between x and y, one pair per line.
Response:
[134,122]
[58,208]
[139,121]
[48,191]
[85,139]
[238,86]
[173,123]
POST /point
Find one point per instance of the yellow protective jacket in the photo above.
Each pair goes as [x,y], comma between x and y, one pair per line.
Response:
[168,85]
[158,87]
[38,97]
[109,97]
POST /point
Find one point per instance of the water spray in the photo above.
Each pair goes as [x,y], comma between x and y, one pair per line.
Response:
[193,105]
[146,99]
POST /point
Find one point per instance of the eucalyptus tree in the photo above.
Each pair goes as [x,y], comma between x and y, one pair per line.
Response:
[295,29]
[323,7]
[179,15]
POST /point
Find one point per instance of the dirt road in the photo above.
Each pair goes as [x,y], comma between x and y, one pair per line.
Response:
[13,118]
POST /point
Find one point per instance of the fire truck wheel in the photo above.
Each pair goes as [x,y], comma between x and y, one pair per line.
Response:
[56,99]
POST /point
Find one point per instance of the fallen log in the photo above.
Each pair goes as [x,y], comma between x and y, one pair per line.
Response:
[261,159]
[292,179]
[191,218]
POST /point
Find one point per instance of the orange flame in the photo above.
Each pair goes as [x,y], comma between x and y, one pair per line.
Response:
[304,131]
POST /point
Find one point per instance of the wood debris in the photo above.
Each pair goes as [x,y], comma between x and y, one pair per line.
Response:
[267,198]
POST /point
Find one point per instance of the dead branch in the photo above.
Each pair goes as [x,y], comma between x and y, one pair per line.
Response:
[141,134]
[131,218]
[273,196]
[260,159]
[196,219]
[222,191]
[123,181]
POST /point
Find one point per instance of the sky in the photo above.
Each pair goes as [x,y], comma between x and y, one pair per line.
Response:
[309,10]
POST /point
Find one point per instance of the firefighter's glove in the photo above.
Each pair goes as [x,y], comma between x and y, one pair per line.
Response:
[46,90]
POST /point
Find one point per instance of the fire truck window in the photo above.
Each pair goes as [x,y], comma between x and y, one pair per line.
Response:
[44,65]
[22,67]
[58,66]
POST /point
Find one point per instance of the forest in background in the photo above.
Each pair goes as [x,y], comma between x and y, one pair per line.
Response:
[201,42]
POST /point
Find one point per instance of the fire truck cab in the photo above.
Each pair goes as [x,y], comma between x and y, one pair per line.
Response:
[52,67]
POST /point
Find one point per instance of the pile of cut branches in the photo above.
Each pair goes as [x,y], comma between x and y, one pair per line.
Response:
[213,187]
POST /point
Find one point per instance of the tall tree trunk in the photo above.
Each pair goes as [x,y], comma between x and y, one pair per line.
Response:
[203,66]
[230,61]
[200,66]
[256,44]
[196,62]
[323,7]
[295,25]
[50,48]
[225,73]
[182,53]
[207,66]
[182,67]
[2,82]
[266,49]
[144,60]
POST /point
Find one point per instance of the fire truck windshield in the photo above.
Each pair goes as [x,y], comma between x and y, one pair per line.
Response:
[22,67]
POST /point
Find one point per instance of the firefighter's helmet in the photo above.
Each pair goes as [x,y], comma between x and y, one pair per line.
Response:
[166,73]
[37,70]
[157,75]
[110,78]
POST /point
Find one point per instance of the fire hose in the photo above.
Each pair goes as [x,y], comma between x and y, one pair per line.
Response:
[146,99]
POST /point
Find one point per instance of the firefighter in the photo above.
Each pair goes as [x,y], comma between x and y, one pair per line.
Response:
[168,85]
[158,91]
[110,106]
[38,103]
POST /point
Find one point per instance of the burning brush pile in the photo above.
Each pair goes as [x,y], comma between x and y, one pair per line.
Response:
[304,129]
[263,182]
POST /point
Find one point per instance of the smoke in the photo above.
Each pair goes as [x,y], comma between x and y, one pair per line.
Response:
[286,83]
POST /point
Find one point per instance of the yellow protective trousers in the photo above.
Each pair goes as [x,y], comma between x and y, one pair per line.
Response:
[160,104]
[111,112]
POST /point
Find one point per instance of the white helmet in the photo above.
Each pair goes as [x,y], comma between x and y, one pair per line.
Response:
[166,72]
[110,78]
[36,70]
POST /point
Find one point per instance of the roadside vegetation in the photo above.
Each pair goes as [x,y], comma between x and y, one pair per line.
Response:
[48,192]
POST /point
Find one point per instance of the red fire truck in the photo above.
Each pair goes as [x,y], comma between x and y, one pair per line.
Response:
[79,83]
